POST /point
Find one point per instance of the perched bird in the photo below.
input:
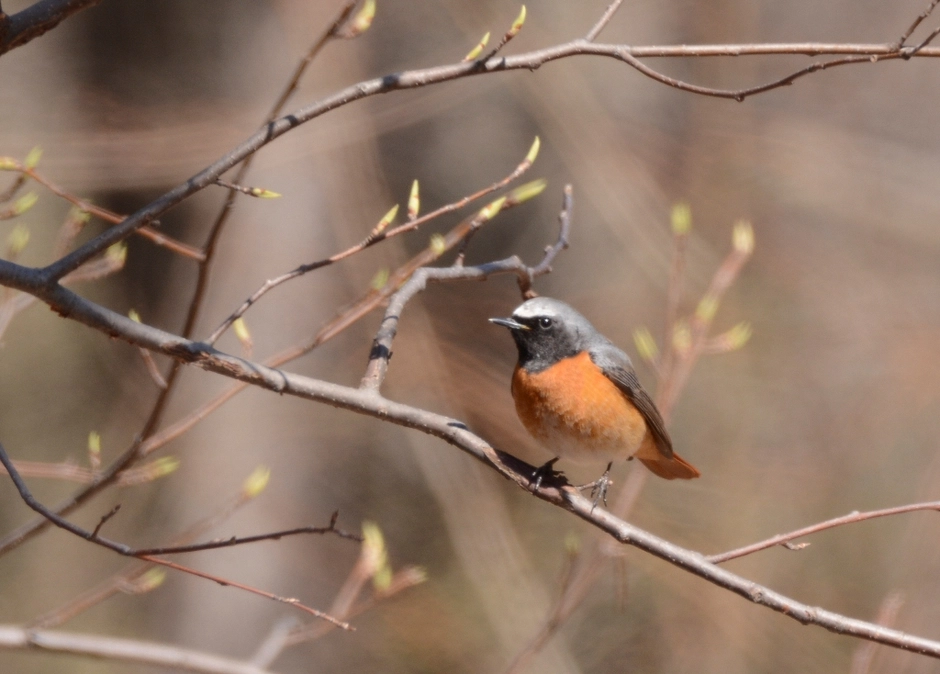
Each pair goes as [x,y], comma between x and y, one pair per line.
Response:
[578,395]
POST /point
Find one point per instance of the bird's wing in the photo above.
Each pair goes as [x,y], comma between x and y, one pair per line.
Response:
[616,365]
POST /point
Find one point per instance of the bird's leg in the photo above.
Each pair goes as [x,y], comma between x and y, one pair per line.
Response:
[599,487]
[543,471]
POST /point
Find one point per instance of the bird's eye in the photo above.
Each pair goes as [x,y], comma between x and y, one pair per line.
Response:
[545,322]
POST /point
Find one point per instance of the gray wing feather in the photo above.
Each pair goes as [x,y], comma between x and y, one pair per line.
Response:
[619,369]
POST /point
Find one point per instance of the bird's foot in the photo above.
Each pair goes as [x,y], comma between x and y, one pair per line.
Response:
[546,470]
[599,488]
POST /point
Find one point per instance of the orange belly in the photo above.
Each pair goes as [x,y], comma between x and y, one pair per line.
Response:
[577,413]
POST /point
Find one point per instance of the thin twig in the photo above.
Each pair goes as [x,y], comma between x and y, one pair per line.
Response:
[603,21]
[127,551]
[851,518]
[153,235]
[105,518]
[552,251]
[920,18]
[369,241]
[927,40]
[864,655]
[148,554]
[134,572]
[152,369]
[225,582]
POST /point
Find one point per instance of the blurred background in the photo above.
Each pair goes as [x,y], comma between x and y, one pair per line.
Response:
[833,406]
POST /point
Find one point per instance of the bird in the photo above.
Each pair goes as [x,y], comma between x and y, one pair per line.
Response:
[578,395]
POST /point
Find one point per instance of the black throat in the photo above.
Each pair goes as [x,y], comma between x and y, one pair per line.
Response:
[538,351]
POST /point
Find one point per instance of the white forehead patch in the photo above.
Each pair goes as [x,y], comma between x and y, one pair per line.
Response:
[540,306]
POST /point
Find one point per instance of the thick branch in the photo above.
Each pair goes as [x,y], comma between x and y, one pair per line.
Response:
[17,30]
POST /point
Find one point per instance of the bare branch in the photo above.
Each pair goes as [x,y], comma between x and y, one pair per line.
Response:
[603,21]
[13,637]
[920,18]
[42,16]
[225,582]
[851,518]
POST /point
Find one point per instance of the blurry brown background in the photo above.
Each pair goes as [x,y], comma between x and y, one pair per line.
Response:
[833,406]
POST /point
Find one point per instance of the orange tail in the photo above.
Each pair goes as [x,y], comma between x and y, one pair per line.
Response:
[671,468]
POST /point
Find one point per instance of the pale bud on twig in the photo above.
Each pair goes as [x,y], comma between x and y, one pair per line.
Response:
[516,26]
[525,192]
[414,201]
[707,308]
[743,237]
[32,159]
[240,328]
[731,340]
[117,253]
[682,337]
[384,222]
[681,218]
[645,344]
[473,53]
[24,203]
[94,450]
[256,482]
[491,209]
[375,556]
[149,581]
[17,241]
[534,150]
[380,279]
[361,22]
[262,193]
[438,244]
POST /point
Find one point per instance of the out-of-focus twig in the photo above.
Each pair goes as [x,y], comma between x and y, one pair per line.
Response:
[86,206]
[134,577]
[864,655]
[149,554]
[14,637]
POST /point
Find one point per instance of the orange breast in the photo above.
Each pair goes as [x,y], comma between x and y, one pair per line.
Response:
[577,413]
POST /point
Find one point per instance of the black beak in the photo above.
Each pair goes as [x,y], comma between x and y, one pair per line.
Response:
[509,323]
